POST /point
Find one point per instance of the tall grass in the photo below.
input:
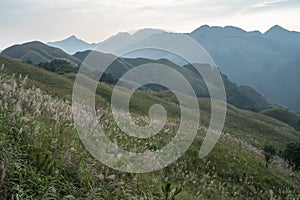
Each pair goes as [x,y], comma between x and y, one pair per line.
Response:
[43,158]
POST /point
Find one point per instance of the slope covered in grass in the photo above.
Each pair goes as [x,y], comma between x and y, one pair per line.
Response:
[284,115]
[37,52]
[255,128]
[42,156]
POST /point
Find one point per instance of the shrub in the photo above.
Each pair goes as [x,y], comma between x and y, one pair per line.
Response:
[269,152]
[291,155]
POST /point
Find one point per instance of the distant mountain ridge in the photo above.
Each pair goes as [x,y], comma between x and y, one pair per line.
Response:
[72,44]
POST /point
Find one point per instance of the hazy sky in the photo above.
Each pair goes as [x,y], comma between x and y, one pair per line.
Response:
[95,20]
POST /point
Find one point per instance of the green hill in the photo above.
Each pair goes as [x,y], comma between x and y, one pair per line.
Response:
[37,52]
[284,115]
[243,97]
[42,156]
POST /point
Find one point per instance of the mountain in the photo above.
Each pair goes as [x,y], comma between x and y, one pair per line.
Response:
[72,44]
[37,52]
[257,59]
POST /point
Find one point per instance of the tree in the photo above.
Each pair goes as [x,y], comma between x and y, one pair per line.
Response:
[269,152]
[291,155]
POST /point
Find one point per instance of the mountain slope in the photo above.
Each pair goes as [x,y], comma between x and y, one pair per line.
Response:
[283,84]
[46,159]
[253,58]
[37,52]
[241,96]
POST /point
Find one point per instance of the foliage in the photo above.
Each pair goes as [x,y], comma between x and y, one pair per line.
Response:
[108,78]
[292,155]
[269,152]
[59,66]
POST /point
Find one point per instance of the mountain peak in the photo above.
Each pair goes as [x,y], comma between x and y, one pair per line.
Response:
[234,28]
[72,44]
[275,29]
[72,37]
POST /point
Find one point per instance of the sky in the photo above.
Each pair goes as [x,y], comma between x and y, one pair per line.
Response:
[96,20]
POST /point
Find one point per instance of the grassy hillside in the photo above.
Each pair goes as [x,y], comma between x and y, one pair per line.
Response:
[284,115]
[37,52]
[255,128]
[243,97]
[43,158]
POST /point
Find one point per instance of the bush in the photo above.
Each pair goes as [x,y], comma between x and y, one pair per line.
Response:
[58,66]
[291,155]
[269,152]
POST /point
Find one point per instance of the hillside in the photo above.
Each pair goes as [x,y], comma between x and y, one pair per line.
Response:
[62,85]
[284,115]
[37,52]
[44,157]
[243,97]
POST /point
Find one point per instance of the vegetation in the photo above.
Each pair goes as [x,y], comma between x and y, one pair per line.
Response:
[269,152]
[284,115]
[292,155]
[42,156]
[59,66]
[169,193]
